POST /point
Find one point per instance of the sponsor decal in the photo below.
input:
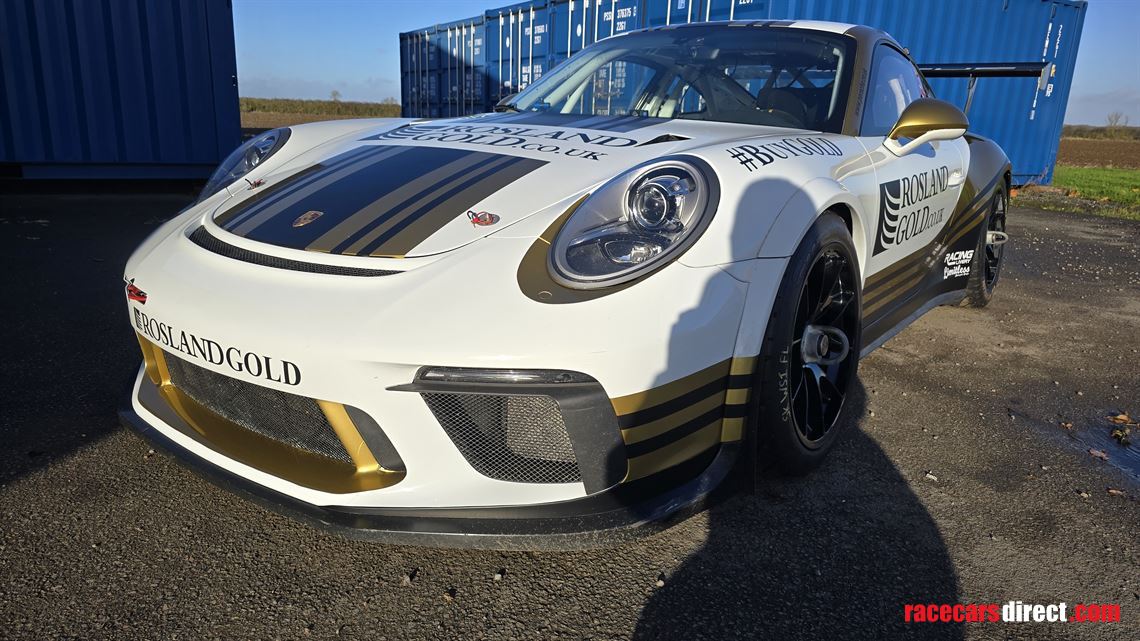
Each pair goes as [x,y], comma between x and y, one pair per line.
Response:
[134,293]
[1011,612]
[957,264]
[307,217]
[483,218]
[752,157]
[214,353]
[575,144]
[902,212]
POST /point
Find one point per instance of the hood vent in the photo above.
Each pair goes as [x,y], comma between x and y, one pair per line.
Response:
[663,138]
[205,240]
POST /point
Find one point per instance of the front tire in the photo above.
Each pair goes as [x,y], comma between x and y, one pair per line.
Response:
[811,350]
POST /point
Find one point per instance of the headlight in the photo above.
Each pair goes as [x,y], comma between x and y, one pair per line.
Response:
[243,159]
[634,222]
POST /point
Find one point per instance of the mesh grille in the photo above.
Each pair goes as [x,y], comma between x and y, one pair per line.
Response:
[203,239]
[294,420]
[510,438]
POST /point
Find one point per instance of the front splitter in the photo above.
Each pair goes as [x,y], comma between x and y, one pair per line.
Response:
[624,512]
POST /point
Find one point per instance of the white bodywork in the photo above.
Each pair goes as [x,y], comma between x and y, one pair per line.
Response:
[458,302]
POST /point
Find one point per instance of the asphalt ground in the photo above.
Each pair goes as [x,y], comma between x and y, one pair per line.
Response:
[955,482]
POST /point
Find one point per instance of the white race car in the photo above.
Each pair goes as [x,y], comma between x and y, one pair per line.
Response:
[574,315]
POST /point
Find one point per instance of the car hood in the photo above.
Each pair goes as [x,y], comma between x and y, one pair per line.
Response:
[427,187]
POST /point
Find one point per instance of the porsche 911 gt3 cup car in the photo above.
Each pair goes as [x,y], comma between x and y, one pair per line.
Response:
[575,314]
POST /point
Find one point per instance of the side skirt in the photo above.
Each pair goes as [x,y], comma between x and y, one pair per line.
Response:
[949,298]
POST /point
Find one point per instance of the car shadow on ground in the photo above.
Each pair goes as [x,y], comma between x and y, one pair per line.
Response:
[833,554]
[64,318]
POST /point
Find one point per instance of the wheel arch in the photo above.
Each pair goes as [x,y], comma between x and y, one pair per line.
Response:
[818,197]
[814,199]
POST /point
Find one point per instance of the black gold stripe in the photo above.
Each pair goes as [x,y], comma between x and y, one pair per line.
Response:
[377,199]
[286,185]
[683,419]
[355,226]
[417,227]
[382,219]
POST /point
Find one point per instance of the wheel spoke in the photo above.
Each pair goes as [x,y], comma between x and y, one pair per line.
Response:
[800,404]
[839,304]
[816,423]
[829,281]
[833,398]
[799,386]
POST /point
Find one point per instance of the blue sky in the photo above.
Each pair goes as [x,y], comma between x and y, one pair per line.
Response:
[308,48]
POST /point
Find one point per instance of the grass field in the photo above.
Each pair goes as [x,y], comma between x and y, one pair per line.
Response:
[1104,191]
[267,113]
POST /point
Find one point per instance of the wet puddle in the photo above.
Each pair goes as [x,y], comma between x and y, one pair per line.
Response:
[1095,433]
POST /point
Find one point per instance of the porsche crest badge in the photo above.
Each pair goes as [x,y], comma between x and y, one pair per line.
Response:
[307,217]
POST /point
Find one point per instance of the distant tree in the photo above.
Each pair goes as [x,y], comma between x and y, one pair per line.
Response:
[335,95]
[1116,123]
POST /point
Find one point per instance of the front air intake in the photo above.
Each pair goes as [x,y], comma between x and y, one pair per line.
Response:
[509,437]
[296,421]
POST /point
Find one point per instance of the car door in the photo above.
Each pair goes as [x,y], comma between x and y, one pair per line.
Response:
[917,192]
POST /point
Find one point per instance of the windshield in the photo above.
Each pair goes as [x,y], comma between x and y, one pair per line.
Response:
[752,75]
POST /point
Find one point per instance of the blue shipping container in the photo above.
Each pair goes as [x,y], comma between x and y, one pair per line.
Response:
[524,40]
[117,88]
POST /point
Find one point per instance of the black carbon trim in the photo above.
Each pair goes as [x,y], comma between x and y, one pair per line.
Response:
[586,411]
[205,240]
[607,518]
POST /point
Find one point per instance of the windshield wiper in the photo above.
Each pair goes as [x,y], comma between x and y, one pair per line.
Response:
[500,108]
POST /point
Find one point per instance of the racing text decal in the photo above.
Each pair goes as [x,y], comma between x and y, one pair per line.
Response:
[204,349]
[752,156]
[902,214]
[957,264]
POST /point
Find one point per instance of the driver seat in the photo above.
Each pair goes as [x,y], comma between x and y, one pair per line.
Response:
[783,100]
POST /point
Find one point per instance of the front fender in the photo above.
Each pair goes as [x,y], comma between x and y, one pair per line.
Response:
[772,191]
[800,211]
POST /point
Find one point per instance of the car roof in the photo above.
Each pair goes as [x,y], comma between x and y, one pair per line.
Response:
[862,33]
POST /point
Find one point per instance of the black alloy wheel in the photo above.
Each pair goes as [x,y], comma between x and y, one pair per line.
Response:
[985,268]
[995,251]
[809,358]
[822,351]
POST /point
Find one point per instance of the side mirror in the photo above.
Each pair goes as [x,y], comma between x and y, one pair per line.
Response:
[924,120]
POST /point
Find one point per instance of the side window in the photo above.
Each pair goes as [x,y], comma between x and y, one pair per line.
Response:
[895,83]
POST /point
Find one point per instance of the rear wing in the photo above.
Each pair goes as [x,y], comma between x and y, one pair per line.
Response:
[975,70]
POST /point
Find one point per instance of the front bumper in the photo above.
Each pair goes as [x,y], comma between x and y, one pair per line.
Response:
[622,512]
[663,354]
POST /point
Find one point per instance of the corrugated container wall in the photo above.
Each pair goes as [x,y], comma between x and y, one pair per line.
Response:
[116,88]
[522,41]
